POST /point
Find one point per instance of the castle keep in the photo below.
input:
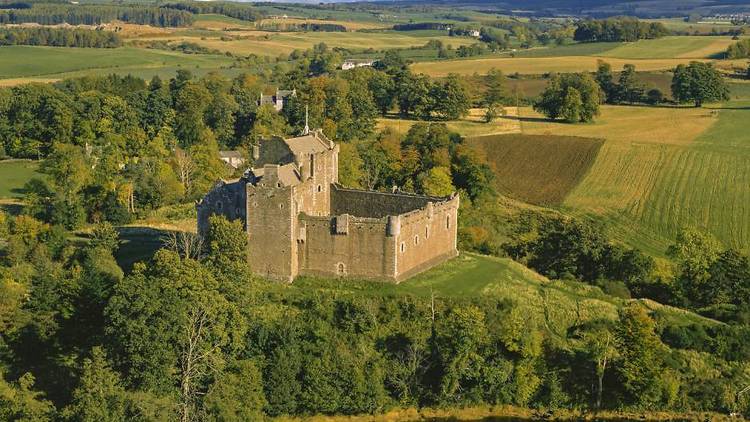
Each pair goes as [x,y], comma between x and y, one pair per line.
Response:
[300,221]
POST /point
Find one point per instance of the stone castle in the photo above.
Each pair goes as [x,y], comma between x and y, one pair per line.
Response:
[300,221]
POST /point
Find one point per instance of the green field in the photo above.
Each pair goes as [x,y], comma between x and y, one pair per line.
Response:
[556,305]
[13,176]
[580,49]
[697,47]
[58,62]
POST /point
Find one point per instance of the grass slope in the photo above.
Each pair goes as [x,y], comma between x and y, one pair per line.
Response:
[13,176]
[58,62]
[542,65]
[662,169]
[560,164]
[556,305]
[276,43]
[694,47]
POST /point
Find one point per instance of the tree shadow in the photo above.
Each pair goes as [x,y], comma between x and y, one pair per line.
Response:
[11,207]
[138,244]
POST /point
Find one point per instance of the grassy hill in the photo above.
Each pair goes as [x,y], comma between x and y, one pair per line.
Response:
[13,176]
[57,62]
[557,305]
[655,170]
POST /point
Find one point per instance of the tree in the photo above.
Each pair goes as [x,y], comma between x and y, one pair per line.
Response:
[237,394]
[495,81]
[350,165]
[698,82]
[629,89]
[18,402]
[642,355]
[606,81]
[601,346]
[99,395]
[572,106]
[172,328]
[437,182]
[450,100]
[694,252]
[557,97]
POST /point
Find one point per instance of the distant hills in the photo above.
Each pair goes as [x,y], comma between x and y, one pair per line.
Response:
[595,8]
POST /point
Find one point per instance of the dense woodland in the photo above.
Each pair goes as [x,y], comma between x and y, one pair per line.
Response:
[94,14]
[618,29]
[59,37]
[193,335]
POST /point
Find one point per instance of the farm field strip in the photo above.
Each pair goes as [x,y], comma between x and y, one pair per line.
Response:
[690,47]
[647,191]
[275,43]
[542,65]
[53,62]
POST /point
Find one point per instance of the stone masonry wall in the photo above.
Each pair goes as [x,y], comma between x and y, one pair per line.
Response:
[358,247]
[371,204]
[426,237]
[227,199]
[272,249]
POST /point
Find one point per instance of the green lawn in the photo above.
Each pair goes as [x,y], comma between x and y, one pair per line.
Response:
[580,49]
[555,304]
[59,62]
[13,175]
[671,47]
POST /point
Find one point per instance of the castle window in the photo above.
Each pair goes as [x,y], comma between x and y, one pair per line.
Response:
[219,205]
[320,188]
[403,247]
[341,269]
[447,222]
[312,166]
[281,206]
[427,232]
[416,240]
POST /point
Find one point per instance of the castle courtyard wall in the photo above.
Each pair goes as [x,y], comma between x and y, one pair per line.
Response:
[426,237]
[361,249]
[374,204]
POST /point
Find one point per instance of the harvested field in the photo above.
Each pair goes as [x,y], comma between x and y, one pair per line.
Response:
[559,164]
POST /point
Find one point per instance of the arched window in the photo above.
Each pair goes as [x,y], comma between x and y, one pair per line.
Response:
[447,222]
[416,240]
[341,268]
[427,232]
[403,247]
[320,188]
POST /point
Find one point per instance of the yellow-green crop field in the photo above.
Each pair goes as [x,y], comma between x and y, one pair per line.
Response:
[276,43]
[658,170]
[690,47]
[541,65]
[20,62]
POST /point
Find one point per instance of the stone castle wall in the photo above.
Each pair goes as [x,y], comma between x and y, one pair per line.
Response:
[225,198]
[374,204]
[345,246]
[426,237]
[272,248]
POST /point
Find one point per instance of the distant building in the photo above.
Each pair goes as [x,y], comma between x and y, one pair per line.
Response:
[300,221]
[474,33]
[352,63]
[233,159]
[278,100]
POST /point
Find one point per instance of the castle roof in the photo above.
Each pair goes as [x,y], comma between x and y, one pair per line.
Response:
[312,143]
[287,174]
